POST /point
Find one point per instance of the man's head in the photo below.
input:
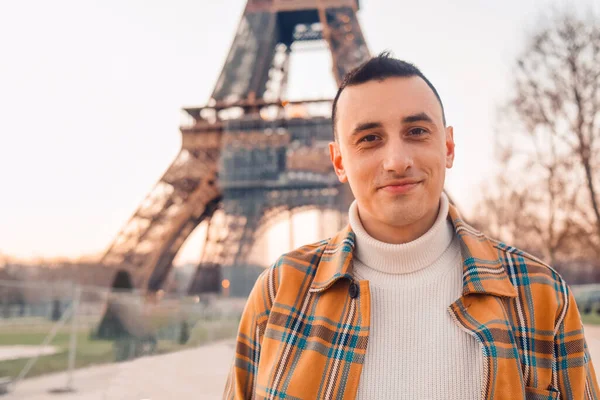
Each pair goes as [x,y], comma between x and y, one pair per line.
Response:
[391,144]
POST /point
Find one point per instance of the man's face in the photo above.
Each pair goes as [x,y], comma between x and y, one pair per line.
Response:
[393,149]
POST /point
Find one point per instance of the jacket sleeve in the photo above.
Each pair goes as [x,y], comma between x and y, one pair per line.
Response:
[575,375]
[241,381]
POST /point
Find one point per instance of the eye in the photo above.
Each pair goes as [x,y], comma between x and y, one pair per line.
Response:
[368,138]
[417,132]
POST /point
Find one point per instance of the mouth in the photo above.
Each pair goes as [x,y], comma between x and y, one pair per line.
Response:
[400,187]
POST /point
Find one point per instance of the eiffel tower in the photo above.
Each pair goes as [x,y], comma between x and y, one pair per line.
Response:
[248,156]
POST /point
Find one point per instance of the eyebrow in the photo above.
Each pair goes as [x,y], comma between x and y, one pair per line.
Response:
[420,117]
[365,126]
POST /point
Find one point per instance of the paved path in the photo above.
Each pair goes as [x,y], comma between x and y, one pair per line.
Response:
[14,352]
[592,337]
[197,374]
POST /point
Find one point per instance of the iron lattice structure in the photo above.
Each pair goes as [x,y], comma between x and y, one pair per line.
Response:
[247,157]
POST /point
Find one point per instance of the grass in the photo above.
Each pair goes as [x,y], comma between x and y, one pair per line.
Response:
[92,351]
[590,319]
[89,352]
[209,331]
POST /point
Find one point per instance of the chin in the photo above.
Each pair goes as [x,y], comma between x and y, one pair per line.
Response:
[402,213]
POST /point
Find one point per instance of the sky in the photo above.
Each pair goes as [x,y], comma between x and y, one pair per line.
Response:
[91,93]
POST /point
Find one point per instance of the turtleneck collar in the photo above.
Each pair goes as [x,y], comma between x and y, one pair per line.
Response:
[406,257]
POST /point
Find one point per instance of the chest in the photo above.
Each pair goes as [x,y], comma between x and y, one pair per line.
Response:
[318,346]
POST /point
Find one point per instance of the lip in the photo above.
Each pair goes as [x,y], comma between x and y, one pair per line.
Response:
[400,187]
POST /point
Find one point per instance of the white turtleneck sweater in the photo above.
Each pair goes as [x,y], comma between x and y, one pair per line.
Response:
[415,349]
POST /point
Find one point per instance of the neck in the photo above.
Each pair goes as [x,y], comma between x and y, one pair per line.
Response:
[397,258]
[392,234]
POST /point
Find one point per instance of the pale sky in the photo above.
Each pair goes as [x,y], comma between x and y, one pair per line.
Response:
[91,92]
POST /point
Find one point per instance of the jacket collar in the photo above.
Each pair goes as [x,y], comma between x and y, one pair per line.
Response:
[483,271]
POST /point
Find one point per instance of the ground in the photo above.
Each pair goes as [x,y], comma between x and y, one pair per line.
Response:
[197,374]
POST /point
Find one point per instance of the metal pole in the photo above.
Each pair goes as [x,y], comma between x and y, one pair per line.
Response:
[73,342]
[66,315]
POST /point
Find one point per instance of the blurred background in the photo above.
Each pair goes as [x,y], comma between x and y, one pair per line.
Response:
[157,156]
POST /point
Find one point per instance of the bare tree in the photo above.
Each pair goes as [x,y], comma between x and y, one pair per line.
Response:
[546,196]
[558,104]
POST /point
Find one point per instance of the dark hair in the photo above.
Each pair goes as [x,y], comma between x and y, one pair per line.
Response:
[379,68]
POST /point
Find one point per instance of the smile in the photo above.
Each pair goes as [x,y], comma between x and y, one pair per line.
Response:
[400,189]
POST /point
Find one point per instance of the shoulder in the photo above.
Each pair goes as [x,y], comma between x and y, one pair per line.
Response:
[536,281]
[303,259]
[292,271]
[518,261]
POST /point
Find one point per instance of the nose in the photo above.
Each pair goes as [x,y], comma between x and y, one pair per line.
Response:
[397,157]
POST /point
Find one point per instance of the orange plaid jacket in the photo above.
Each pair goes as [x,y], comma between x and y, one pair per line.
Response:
[305,329]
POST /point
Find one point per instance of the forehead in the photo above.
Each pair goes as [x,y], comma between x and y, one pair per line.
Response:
[385,101]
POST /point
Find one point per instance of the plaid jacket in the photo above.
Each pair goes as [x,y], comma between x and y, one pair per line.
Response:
[305,329]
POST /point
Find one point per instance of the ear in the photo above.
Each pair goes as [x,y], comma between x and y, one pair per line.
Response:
[336,159]
[449,147]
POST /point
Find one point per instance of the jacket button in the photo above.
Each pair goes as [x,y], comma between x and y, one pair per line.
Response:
[353,290]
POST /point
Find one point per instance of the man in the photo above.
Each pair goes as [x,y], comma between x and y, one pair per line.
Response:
[408,301]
